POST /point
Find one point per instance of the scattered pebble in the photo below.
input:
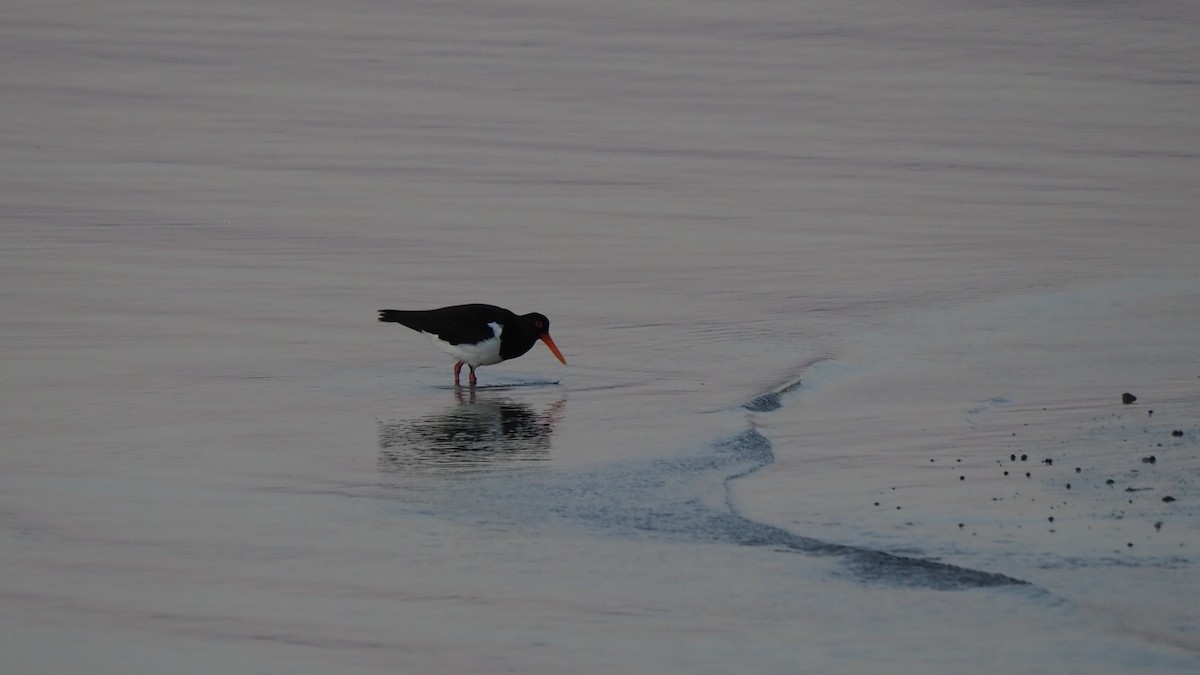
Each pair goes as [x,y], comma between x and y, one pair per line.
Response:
[1147,477]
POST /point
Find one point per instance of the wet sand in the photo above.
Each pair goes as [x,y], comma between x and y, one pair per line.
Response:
[823,273]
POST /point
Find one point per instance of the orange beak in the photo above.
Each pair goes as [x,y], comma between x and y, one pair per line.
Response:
[545,337]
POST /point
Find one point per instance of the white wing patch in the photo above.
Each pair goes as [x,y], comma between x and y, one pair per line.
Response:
[484,353]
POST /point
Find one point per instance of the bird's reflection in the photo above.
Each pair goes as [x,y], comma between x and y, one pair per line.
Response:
[477,433]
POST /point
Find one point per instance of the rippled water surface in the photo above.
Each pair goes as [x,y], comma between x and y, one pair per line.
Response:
[850,294]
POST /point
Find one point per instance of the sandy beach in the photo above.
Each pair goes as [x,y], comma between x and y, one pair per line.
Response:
[850,296]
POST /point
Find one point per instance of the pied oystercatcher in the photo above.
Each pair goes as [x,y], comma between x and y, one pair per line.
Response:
[477,335]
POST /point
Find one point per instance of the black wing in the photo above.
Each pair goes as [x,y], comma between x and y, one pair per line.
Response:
[459,324]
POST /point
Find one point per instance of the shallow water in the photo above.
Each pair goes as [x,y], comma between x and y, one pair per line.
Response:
[823,273]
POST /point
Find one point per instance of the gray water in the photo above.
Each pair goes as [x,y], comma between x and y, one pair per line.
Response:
[823,273]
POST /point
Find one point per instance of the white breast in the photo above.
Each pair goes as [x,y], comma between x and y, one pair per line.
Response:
[484,353]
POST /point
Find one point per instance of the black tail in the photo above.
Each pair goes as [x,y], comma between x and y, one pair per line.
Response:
[391,316]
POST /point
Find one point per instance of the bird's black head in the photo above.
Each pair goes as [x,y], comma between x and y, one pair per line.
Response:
[540,325]
[538,322]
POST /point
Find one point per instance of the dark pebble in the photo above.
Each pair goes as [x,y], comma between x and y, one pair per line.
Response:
[1168,499]
[1027,474]
[1177,433]
[1068,486]
[1130,544]
[1149,460]
[1051,519]
[1109,481]
[1005,473]
[1048,461]
[1128,398]
[1024,457]
[1157,526]
[1149,412]
[1077,469]
[1012,458]
[962,477]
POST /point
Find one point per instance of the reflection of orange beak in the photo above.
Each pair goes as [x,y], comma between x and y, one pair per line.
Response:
[545,337]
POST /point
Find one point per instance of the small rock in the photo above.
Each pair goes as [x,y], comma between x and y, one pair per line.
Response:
[1168,499]
[1024,457]
[1109,481]
[1027,474]
[1149,460]
[1128,398]
[1178,433]
[1051,519]
[1012,458]
[1157,526]
[1077,469]
[1047,461]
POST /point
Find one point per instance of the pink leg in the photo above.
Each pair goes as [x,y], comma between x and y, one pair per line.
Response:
[457,369]
[473,380]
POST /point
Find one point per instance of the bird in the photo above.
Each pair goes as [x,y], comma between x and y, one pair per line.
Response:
[477,334]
